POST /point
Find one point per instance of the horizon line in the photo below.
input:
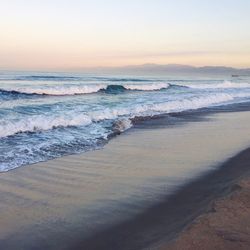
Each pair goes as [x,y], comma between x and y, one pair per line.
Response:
[121,67]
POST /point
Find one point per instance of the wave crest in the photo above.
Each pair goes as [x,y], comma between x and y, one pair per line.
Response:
[41,122]
[56,90]
[83,89]
[147,87]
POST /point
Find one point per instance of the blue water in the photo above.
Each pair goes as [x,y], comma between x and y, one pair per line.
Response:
[48,115]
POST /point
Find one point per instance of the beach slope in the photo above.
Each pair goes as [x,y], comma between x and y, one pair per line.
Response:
[225,227]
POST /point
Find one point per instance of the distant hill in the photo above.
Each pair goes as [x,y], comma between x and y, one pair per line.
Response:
[172,69]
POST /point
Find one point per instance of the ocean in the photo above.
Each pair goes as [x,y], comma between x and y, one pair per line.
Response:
[49,115]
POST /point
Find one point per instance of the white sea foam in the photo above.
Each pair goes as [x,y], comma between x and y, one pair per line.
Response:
[146,87]
[192,103]
[59,90]
[223,85]
[165,107]
[123,124]
[41,122]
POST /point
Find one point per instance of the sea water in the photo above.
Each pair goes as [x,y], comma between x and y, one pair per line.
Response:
[48,115]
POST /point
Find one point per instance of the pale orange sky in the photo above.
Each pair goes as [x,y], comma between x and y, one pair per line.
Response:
[80,33]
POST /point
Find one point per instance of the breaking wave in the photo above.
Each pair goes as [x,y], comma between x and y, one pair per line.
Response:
[42,122]
[112,88]
[146,87]
[83,89]
[57,90]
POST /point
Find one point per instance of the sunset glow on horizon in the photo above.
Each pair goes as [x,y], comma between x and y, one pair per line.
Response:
[78,34]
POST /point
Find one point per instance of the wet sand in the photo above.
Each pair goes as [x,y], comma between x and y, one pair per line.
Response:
[223,196]
[138,192]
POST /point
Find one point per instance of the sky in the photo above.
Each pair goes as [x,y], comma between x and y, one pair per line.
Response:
[75,34]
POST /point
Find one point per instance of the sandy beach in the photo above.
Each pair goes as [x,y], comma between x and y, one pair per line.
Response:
[140,191]
[124,125]
[225,226]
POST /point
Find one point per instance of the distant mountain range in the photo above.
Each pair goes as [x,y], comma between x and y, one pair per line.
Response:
[173,69]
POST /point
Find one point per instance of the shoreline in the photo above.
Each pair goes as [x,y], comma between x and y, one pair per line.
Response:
[58,186]
[164,120]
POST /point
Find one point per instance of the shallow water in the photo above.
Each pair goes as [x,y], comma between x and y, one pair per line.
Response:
[49,115]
